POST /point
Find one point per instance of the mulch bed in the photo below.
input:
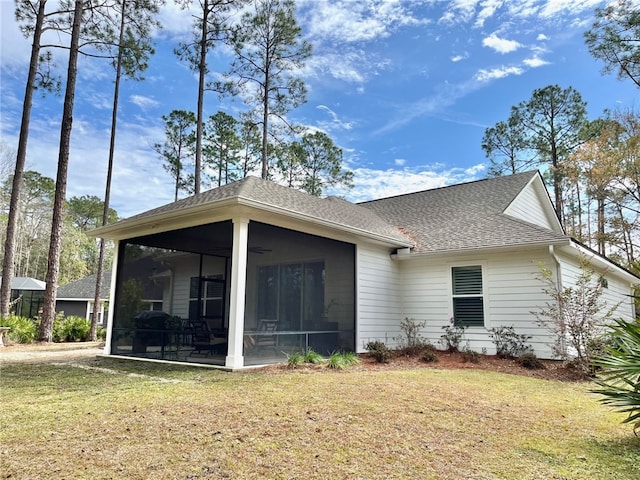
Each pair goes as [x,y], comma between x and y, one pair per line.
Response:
[553,369]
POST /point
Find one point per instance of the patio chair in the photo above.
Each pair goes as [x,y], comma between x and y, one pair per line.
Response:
[264,339]
[203,341]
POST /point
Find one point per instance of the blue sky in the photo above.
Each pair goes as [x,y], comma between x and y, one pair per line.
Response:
[405,88]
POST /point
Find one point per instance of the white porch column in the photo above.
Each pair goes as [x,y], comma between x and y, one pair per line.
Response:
[112,295]
[235,359]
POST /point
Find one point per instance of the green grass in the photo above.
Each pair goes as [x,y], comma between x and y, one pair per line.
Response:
[136,420]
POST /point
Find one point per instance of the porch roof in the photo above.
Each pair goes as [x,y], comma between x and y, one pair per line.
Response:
[260,196]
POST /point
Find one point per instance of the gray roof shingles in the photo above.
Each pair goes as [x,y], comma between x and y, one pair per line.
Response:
[85,288]
[458,217]
[464,216]
[330,210]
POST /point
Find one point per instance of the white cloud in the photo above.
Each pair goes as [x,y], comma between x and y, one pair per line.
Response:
[143,102]
[488,9]
[500,45]
[553,8]
[335,123]
[484,75]
[534,62]
[542,37]
[458,11]
[460,57]
[348,21]
[372,184]
[399,162]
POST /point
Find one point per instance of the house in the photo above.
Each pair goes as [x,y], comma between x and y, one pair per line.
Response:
[269,270]
[77,298]
[27,296]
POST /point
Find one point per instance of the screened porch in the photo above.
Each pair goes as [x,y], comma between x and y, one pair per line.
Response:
[174,294]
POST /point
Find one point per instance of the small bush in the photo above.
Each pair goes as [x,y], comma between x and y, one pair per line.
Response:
[101,333]
[508,343]
[23,330]
[379,351]
[342,360]
[452,337]
[295,359]
[411,339]
[429,355]
[470,356]
[311,356]
[71,329]
[530,361]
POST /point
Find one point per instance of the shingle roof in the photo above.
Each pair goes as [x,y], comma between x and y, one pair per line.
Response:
[85,288]
[261,193]
[458,217]
[464,216]
[26,283]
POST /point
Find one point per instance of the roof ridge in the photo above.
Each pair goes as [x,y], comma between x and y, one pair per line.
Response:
[455,185]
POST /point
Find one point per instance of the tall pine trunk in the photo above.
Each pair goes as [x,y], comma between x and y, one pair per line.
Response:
[45,332]
[93,335]
[8,265]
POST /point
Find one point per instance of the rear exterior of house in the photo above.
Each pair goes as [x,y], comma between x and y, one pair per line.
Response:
[265,270]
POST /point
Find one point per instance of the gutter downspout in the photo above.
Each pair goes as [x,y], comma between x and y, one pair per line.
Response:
[558,272]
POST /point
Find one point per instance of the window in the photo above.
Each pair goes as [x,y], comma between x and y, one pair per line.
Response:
[206,299]
[468,302]
[291,293]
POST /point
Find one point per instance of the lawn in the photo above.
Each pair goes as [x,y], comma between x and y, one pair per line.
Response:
[116,419]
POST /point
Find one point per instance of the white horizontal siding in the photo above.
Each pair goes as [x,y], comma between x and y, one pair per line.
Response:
[618,292]
[528,206]
[378,296]
[512,291]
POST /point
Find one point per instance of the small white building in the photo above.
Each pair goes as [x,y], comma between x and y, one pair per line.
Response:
[252,270]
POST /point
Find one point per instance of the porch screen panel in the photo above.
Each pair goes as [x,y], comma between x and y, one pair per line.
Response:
[300,294]
[290,311]
[268,281]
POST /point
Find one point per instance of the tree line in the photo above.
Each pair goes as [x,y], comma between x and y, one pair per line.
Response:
[592,166]
[550,131]
[267,52]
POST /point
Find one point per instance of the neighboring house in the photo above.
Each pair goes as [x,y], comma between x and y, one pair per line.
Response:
[77,298]
[27,296]
[268,269]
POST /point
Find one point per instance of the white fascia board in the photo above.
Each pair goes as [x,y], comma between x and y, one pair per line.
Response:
[219,211]
[173,220]
[482,250]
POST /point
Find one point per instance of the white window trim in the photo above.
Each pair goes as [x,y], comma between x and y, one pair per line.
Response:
[485,304]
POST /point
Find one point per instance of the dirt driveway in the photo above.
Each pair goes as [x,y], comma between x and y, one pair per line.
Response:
[55,352]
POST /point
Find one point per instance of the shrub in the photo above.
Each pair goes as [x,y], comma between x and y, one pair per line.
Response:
[295,359]
[71,329]
[412,339]
[379,351]
[342,360]
[452,337]
[311,356]
[429,355]
[508,343]
[23,330]
[469,355]
[619,377]
[101,333]
[530,361]
[575,315]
